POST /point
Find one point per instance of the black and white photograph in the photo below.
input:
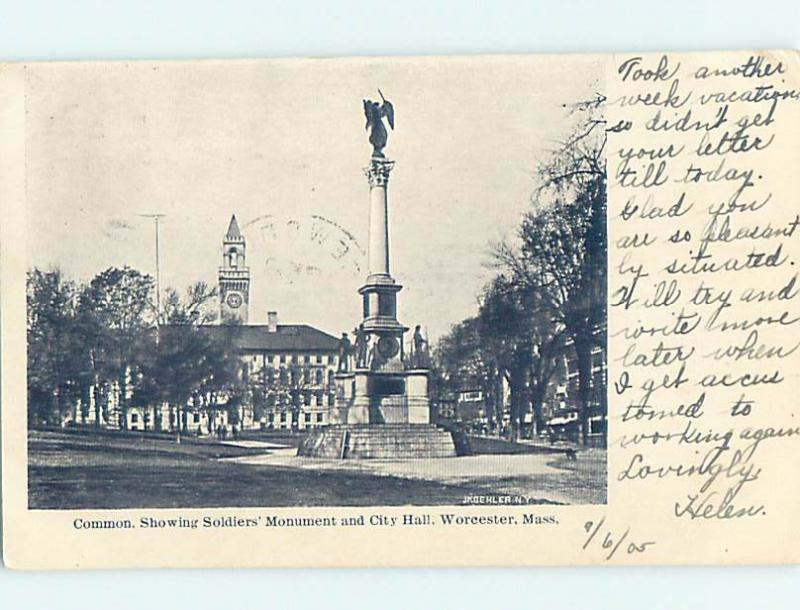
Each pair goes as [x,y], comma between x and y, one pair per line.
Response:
[317,283]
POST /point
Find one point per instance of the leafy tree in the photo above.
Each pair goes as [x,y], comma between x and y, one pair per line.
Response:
[114,311]
[517,329]
[55,373]
[460,357]
[187,360]
[282,389]
[504,329]
[225,386]
[513,339]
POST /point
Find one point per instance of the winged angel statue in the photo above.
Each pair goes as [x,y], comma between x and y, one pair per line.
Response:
[375,112]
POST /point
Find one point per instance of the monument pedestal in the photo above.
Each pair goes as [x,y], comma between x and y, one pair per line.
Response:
[379,413]
[370,441]
[377,397]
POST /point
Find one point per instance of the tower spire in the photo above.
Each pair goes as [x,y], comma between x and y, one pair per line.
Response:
[233,234]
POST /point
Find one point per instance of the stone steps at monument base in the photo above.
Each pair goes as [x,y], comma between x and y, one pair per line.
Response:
[379,441]
[322,444]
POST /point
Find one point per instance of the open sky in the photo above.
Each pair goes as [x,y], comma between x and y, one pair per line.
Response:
[282,145]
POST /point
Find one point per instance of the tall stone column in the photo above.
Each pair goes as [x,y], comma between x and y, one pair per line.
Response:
[380,289]
[378,255]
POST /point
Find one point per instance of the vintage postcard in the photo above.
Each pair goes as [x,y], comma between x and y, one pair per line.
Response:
[401,311]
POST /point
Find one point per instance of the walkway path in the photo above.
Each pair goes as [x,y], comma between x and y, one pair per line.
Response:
[535,476]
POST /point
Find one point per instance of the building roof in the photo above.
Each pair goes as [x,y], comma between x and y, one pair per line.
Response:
[233,234]
[287,337]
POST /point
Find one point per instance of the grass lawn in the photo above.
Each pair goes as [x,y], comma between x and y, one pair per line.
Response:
[78,469]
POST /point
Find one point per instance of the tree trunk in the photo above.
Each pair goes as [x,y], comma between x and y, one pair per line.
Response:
[86,392]
[104,407]
[497,403]
[517,386]
[95,391]
[179,423]
[583,352]
[537,399]
[490,405]
[54,408]
[123,401]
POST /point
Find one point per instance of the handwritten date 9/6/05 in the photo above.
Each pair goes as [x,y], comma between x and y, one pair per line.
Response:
[606,539]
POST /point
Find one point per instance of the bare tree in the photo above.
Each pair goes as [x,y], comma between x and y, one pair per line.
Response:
[562,248]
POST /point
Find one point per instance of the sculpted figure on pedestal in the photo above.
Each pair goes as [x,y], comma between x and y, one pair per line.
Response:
[375,112]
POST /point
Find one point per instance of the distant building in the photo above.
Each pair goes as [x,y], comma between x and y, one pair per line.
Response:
[471,402]
[561,408]
[287,369]
[287,373]
[471,405]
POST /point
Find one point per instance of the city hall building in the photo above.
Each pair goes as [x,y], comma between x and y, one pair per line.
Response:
[287,369]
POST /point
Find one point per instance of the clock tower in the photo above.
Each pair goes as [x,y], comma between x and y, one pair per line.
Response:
[234,277]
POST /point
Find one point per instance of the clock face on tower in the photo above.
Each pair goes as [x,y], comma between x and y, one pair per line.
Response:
[234,300]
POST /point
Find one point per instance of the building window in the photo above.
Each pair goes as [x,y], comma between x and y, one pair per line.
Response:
[134,418]
[294,358]
[331,399]
[307,417]
[283,358]
[196,418]
[331,359]
[269,358]
[307,375]
[307,358]
[306,398]
[319,359]
[283,418]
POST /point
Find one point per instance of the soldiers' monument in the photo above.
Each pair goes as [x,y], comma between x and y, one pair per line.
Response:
[382,407]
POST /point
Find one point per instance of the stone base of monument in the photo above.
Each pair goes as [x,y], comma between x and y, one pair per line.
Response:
[381,441]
